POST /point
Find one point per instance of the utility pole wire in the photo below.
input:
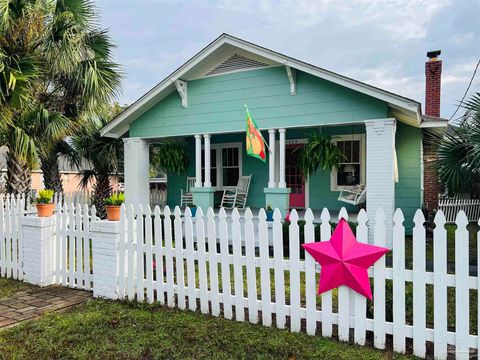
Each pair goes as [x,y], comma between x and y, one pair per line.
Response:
[466,91]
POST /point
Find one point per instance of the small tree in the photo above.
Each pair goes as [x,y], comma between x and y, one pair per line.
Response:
[98,157]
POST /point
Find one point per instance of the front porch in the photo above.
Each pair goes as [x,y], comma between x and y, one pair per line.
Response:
[219,159]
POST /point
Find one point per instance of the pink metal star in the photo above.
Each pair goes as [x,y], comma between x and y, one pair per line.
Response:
[344,260]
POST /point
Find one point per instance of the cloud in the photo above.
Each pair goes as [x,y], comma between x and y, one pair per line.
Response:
[402,20]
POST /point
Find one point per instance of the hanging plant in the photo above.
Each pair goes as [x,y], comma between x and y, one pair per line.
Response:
[319,152]
[170,156]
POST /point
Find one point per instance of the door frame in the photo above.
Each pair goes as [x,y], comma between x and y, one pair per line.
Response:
[277,165]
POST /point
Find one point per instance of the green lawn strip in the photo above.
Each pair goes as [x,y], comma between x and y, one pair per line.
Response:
[9,287]
[105,329]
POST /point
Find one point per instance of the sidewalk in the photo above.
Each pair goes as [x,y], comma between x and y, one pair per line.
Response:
[33,303]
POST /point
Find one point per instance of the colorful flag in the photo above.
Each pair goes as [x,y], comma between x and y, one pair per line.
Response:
[255,141]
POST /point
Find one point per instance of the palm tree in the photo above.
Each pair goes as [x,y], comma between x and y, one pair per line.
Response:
[458,163]
[75,77]
[99,157]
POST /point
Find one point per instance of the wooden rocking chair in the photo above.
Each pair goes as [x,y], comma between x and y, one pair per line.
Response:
[237,197]
[355,195]
[186,196]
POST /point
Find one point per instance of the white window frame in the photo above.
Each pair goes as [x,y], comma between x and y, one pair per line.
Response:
[333,174]
[219,147]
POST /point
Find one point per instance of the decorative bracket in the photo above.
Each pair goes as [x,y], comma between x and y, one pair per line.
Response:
[182,91]
[292,77]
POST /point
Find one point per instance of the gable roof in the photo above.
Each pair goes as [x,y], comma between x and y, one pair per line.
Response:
[226,46]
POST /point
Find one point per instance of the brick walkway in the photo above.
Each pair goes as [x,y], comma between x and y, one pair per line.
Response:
[29,304]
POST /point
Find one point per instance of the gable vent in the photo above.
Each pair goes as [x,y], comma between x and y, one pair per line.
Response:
[236,62]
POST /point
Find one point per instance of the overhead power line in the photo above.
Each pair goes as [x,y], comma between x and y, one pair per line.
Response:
[466,91]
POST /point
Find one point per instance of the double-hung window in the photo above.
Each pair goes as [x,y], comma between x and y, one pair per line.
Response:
[351,171]
[226,164]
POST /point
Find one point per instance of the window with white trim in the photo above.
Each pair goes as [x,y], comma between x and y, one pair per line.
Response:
[226,164]
[351,171]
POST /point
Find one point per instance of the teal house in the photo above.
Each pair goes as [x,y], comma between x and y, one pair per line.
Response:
[202,104]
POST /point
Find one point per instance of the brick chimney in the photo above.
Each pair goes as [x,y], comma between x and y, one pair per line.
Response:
[433,79]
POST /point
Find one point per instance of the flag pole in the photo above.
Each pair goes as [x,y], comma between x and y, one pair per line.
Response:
[265,143]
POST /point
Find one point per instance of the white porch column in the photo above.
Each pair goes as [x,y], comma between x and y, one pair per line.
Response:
[206,153]
[380,173]
[198,160]
[281,180]
[271,159]
[136,172]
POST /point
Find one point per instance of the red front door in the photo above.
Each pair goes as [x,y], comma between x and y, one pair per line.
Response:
[294,177]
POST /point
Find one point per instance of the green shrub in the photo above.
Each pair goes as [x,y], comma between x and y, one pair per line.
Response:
[44,196]
[115,199]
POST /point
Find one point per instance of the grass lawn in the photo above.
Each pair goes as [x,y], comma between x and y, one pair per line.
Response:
[105,329]
[9,287]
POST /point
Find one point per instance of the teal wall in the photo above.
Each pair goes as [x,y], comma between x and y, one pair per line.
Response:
[408,189]
[215,104]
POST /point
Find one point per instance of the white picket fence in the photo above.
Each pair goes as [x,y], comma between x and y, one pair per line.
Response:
[155,266]
[11,254]
[73,246]
[452,205]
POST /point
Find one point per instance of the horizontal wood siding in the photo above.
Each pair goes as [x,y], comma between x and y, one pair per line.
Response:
[407,191]
[215,104]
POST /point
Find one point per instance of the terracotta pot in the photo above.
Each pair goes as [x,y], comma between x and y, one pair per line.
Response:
[45,210]
[113,212]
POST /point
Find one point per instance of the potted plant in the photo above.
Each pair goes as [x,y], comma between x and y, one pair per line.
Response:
[44,203]
[269,211]
[193,210]
[112,205]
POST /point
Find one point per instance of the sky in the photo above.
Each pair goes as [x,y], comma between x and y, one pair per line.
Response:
[383,43]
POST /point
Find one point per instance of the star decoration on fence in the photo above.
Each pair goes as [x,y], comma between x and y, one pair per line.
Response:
[344,260]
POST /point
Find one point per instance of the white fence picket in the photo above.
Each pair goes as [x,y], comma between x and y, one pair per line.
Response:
[159,269]
[440,287]
[224,255]
[213,263]
[202,261]
[419,292]
[180,278]
[149,255]
[325,234]
[167,226]
[398,282]
[250,267]
[294,246]
[265,282]
[462,291]
[191,276]
[237,266]
[279,270]
[379,284]
[359,334]
[343,300]
[310,281]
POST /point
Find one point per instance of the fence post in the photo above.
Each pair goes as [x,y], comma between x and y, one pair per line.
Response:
[105,239]
[38,250]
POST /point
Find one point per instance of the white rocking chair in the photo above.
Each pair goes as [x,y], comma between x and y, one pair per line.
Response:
[186,197]
[237,197]
[355,195]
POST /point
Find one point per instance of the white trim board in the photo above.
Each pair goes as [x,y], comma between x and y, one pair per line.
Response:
[118,126]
